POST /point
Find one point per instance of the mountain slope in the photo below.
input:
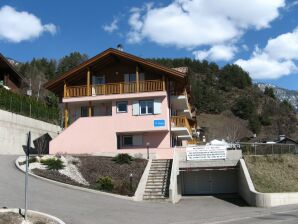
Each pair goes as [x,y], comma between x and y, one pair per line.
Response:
[282,94]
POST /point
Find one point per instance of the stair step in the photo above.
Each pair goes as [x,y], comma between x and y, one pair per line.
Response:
[155,198]
[155,188]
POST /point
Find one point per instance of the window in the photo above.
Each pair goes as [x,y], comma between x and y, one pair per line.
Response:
[127,140]
[130,77]
[121,107]
[146,107]
[97,80]
[130,141]
[84,111]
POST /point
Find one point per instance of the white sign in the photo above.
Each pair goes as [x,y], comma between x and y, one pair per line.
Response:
[206,153]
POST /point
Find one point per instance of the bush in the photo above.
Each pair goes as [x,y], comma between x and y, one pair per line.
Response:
[123,158]
[53,164]
[105,183]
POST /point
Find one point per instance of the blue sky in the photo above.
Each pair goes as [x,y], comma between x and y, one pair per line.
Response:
[260,36]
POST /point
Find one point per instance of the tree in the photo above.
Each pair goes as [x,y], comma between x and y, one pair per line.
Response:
[234,76]
[254,124]
[244,108]
[269,92]
[70,61]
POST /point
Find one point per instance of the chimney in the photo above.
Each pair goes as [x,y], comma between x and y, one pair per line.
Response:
[119,47]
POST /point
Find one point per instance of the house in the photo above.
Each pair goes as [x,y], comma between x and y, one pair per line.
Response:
[9,77]
[118,102]
[286,140]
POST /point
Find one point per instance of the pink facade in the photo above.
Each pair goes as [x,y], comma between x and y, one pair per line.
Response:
[99,133]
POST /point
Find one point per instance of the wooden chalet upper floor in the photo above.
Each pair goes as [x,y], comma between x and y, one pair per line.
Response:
[117,72]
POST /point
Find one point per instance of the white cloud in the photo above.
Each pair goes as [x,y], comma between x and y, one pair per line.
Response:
[192,23]
[284,46]
[113,26]
[216,53]
[261,66]
[16,26]
[277,59]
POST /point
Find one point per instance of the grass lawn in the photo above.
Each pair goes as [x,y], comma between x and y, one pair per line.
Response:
[273,173]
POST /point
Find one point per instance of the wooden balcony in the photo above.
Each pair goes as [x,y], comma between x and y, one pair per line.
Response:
[114,88]
[180,122]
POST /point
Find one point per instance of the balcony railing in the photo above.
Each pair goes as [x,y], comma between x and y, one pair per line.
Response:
[114,88]
[180,122]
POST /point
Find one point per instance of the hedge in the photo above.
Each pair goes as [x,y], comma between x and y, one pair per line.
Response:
[28,106]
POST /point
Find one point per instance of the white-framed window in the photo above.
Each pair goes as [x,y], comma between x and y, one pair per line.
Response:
[121,107]
[146,107]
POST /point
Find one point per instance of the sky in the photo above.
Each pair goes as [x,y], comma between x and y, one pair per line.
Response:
[260,36]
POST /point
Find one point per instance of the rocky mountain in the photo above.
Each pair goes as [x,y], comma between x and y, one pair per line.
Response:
[282,94]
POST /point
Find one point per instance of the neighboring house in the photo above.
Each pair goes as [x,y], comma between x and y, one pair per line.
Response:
[116,101]
[9,77]
[286,140]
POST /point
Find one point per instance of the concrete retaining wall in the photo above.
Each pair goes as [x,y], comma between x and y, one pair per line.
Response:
[174,193]
[142,184]
[14,129]
[255,198]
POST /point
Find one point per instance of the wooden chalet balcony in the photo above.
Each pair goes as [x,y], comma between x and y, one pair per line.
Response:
[180,122]
[114,88]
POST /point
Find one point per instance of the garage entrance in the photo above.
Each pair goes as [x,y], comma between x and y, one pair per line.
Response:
[209,181]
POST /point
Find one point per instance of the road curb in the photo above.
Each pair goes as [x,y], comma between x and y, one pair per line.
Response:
[69,186]
[16,210]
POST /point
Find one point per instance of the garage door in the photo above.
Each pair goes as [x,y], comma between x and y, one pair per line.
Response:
[209,182]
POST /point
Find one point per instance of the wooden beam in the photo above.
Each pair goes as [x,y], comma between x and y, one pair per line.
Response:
[163,83]
[138,79]
[88,82]
[65,90]
[90,109]
[65,115]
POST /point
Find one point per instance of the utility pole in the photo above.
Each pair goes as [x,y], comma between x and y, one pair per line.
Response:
[26,176]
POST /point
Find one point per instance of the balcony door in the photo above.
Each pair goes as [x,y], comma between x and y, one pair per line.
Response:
[97,82]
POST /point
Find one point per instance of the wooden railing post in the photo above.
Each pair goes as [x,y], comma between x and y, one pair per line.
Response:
[121,88]
[65,89]
[138,79]
[65,115]
[163,83]
[90,109]
[88,82]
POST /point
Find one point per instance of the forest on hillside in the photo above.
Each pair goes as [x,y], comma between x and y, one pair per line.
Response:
[214,90]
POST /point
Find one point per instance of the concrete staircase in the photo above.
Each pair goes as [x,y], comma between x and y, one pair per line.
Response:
[157,186]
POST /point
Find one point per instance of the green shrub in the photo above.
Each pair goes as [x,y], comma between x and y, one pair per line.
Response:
[123,158]
[105,183]
[53,164]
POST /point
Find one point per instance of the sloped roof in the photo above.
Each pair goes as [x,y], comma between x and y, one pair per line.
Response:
[5,64]
[112,52]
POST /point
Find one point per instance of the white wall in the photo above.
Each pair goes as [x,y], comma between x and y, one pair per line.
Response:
[14,129]
[254,198]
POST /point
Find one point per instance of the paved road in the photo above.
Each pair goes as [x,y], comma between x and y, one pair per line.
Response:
[77,207]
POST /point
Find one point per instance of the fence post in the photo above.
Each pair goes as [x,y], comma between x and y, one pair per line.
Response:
[272,149]
[255,145]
